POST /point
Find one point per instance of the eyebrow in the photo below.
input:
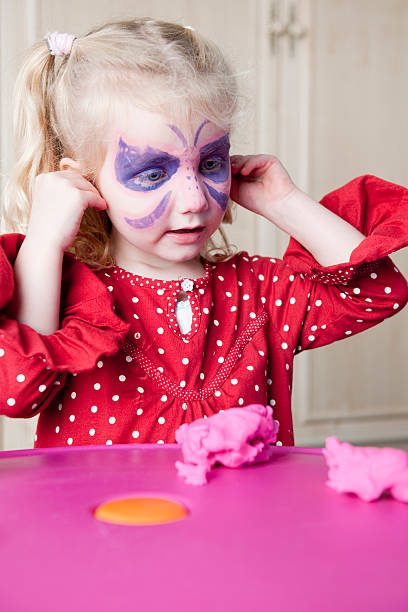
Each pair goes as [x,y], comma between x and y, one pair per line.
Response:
[222,144]
[128,156]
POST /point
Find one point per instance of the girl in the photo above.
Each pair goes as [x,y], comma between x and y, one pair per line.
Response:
[123,149]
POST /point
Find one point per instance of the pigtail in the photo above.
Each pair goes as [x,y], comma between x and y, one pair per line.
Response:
[37,147]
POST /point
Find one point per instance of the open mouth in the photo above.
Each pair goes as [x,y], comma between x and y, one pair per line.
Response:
[187,230]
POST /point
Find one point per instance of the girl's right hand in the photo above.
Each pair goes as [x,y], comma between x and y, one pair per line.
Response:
[59,202]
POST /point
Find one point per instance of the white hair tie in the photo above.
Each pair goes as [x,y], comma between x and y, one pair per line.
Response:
[59,43]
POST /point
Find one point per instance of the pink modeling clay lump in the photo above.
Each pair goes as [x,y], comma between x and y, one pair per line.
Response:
[235,437]
[367,471]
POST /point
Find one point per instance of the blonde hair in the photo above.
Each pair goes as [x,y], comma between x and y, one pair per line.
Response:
[62,109]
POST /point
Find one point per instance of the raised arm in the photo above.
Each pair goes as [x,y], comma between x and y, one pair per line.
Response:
[261,184]
[59,201]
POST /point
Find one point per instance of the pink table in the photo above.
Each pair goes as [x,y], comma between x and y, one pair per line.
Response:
[268,537]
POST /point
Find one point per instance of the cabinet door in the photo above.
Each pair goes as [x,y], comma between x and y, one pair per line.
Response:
[355,98]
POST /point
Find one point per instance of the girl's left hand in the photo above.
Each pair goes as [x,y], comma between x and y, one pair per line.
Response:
[259,183]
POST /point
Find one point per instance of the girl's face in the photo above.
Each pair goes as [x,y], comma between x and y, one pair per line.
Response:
[166,185]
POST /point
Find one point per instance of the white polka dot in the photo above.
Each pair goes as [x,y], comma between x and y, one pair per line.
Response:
[110,288]
[108,442]
[161,420]
[269,381]
[256,387]
[202,375]
[252,315]
[160,330]
[217,393]
[97,386]
[91,432]
[314,327]
[284,345]
[233,308]
[261,277]
[278,443]
[395,306]
[291,278]
[286,328]
[216,323]
[287,366]
[311,338]
[160,291]
[73,395]
[20,378]
[161,351]
[241,401]
[348,332]
[69,441]
[183,383]
[387,289]
[234,381]
[278,302]
[163,398]
[318,302]
[94,409]
[343,295]
[369,310]
[250,368]
[272,402]
[356,290]
[122,378]
[115,398]
[112,420]
[220,277]
[228,293]
[201,291]
[42,388]
[57,429]
[373,275]
[219,342]
[275,278]
[261,353]
[160,441]
[292,300]
[185,360]
[205,310]
[159,310]
[220,359]
[245,296]
[135,300]
[129,358]
[99,364]
[1,352]
[135,434]
[11,401]
[139,411]
[72,417]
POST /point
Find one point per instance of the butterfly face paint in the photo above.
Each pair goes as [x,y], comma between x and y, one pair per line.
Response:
[166,186]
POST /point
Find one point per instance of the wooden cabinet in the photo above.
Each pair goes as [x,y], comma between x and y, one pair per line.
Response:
[325,87]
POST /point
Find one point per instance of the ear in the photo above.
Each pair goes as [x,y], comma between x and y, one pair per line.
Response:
[67,163]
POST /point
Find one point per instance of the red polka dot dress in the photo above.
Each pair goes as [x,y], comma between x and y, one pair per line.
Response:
[121,371]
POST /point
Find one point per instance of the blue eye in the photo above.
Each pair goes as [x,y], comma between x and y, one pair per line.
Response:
[149,178]
[211,165]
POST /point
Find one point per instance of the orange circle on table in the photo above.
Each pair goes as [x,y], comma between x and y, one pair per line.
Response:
[140,511]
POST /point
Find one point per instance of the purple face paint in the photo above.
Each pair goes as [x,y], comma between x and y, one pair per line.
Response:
[179,134]
[147,221]
[198,132]
[214,160]
[143,171]
[219,197]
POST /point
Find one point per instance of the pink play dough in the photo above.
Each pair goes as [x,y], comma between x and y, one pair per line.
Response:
[233,438]
[367,471]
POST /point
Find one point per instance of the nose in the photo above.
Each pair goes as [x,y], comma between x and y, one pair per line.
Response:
[192,197]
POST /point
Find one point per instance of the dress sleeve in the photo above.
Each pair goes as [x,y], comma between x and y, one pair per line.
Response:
[34,366]
[312,305]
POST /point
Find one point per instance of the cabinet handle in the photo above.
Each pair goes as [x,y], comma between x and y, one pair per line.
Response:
[276,28]
[294,29]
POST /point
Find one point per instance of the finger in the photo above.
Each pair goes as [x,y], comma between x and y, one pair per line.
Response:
[237,162]
[92,199]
